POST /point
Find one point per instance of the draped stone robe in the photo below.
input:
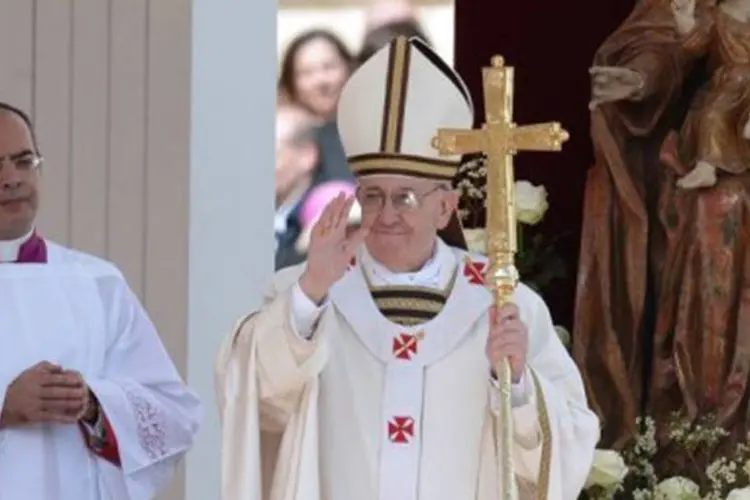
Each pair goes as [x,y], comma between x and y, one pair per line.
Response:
[375,410]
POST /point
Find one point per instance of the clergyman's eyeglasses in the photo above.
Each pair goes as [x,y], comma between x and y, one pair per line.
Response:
[23,162]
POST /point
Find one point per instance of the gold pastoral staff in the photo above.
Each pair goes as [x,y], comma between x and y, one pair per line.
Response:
[500,139]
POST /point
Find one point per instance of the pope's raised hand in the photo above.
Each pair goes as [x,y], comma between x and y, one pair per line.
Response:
[331,249]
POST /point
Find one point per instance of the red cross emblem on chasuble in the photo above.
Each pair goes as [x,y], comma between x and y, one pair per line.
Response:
[406,345]
[401,430]
[475,271]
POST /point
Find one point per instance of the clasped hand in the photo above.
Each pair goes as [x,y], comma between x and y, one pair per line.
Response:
[509,338]
[45,393]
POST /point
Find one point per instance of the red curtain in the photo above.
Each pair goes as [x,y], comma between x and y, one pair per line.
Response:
[551,44]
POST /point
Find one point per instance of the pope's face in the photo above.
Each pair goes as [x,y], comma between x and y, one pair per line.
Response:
[404,215]
[19,177]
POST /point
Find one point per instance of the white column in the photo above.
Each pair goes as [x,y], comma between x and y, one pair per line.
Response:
[231,194]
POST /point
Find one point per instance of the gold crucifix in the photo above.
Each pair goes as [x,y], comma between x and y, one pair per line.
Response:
[500,139]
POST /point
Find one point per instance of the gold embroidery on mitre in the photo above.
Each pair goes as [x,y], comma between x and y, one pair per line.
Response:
[395,97]
[400,164]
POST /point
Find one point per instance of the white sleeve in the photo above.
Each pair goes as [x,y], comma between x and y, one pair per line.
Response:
[305,312]
[520,392]
[152,413]
[524,409]
[559,398]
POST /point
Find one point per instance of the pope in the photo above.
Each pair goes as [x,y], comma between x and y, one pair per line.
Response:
[366,373]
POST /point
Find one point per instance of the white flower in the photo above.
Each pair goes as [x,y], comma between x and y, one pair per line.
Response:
[721,472]
[739,494]
[608,469]
[645,443]
[564,336]
[642,494]
[476,240]
[677,488]
[531,202]
[746,468]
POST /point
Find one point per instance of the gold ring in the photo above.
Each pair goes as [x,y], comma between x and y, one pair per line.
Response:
[324,230]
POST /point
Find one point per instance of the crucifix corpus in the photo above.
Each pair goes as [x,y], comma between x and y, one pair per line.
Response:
[500,139]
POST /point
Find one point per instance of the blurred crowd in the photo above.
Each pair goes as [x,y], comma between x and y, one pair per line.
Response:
[311,166]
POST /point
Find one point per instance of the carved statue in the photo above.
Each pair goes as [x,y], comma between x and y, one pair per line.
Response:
[637,81]
[662,317]
[717,130]
[701,359]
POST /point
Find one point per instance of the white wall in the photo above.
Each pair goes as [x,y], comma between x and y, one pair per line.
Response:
[348,22]
[231,195]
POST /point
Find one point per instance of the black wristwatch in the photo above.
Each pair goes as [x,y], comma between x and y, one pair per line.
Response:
[94,402]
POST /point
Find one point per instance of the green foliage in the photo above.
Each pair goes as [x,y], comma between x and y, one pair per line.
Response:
[538,264]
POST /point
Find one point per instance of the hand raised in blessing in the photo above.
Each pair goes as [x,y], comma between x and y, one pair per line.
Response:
[44,393]
[331,248]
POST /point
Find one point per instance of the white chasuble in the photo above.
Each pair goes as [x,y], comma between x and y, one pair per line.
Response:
[76,311]
[370,410]
[406,353]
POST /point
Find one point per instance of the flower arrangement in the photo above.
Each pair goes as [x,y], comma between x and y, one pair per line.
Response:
[536,260]
[632,475]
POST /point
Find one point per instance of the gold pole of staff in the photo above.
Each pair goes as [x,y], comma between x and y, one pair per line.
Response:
[500,139]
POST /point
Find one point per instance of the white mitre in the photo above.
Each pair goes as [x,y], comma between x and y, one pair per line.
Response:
[391,109]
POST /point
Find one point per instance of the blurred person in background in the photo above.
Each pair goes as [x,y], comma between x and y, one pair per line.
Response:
[315,203]
[296,160]
[314,68]
[386,20]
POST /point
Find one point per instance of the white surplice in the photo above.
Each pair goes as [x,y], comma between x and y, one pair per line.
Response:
[78,311]
[355,420]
